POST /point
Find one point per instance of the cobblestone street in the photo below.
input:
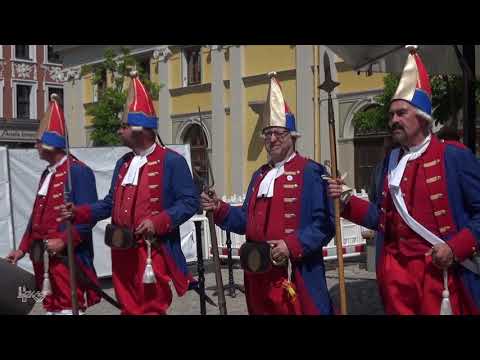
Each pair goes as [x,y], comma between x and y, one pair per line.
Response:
[362,293]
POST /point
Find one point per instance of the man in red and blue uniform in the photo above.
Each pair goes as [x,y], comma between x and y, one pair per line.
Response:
[45,231]
[280,209]
[152,193]
[432,188]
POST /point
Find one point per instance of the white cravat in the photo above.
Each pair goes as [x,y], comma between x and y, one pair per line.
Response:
[51,170]
[131,177]
[395,171]
[267,185]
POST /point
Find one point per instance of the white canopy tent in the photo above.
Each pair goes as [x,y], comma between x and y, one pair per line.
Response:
[25,168]
[439,59]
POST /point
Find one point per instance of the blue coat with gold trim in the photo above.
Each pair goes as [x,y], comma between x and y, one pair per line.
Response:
[308,225]
[44,221]
[180,201]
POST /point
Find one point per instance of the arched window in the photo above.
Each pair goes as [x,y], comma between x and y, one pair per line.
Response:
[195,136]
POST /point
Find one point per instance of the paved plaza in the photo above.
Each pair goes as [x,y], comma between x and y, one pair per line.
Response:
[362,293]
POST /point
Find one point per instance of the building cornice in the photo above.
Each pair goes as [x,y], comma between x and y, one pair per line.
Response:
[263,78]
[191,89]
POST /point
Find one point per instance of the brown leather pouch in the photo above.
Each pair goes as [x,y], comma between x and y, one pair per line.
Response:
[256,257]
[118,237]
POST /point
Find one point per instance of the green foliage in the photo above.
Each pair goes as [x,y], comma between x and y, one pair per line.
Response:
[107,111]
[447,101]
[447,97]
[375,118]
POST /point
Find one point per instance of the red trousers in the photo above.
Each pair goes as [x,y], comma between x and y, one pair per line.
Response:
[413,286]
[135,297]
[265,294]
[59,275]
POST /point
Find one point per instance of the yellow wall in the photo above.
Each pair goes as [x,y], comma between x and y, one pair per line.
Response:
[259,93]
[154,76]
[226,64]
[88,120]
[228,156]
[87,89]
[175,69]
[188,103]
[226,97]
[350,81]
[206,66]
[254,151]
[260,59]
[252,143]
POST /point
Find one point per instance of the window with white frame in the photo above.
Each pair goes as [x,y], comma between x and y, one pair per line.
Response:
[191,65]
[51,57]
[24,52]
[54,90]
[24,101]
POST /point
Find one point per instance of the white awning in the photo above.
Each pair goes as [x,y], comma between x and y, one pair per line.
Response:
[438,59]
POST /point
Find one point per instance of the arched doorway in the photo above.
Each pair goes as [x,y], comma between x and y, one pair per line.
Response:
[195,136]
[369,151]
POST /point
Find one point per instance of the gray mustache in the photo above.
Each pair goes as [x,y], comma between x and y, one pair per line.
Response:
[396,127]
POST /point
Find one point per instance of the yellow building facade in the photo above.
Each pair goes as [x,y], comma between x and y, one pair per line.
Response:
[213,97]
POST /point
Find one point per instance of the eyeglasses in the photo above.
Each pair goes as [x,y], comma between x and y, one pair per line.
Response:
[280,135]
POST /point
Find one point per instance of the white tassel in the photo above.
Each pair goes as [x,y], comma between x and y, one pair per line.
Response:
[46,287]
[149,275]
[445,307]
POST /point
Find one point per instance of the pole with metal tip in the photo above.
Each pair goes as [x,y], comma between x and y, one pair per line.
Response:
[328,85]
[222,304]
[68,224]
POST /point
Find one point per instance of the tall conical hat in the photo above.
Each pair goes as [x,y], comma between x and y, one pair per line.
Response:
[414,86]
[52,126]
[139,110]
[277,112]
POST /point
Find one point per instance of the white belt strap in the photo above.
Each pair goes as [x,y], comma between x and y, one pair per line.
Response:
[399,202]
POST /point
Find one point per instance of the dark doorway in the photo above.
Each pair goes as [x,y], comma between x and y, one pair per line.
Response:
[369,151]
[195,136]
